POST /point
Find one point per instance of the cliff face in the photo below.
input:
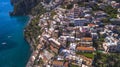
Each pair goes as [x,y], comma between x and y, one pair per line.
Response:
[23,7]
[14,1]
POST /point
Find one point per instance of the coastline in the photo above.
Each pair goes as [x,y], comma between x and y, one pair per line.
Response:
[30,44]
[14,49]
[52,42]
[30,62]
[30,18]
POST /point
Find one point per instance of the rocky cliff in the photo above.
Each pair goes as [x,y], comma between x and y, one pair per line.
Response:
[14,1]
[25,7]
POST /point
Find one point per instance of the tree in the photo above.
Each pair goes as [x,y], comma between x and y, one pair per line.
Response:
[69,6]
[112,12]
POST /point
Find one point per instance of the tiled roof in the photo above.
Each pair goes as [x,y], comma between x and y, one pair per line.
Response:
[58,63]
[85,48]
[87,38]
[91,25]
[53,49]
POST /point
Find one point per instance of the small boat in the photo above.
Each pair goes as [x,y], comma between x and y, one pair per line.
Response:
[9,36]
[4,43]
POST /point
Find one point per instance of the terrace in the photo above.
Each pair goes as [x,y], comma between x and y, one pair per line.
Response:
[88,55]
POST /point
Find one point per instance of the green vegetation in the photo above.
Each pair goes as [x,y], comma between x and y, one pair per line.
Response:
[38,62]
[52,14]
[118,28]
[32,31]
[112,12]
[107,60]
[68,6]
[68,43]
[71,24]
[38,10]
[72,65]
[88,55]
[24,7]
[101,38]
[63,6]
[106,21]
[98,43]
[81,4]
[95,7]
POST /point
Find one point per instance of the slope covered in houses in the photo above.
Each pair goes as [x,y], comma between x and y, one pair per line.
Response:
[78,35]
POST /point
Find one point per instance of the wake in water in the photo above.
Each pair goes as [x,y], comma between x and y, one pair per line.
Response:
[4,43]
[9,36]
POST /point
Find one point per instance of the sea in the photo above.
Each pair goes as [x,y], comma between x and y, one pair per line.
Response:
[14,49]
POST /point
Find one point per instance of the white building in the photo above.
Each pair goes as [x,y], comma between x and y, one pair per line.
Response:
[111,44]
[80,21]
[73,46]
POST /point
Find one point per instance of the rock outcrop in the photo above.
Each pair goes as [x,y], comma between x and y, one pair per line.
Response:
[23,7]
[14,1]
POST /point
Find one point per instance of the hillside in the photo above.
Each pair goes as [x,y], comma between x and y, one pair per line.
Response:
[25,7]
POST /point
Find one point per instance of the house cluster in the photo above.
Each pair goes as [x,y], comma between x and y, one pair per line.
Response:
[51,4]
[112,40]
[114,4]
[68,37]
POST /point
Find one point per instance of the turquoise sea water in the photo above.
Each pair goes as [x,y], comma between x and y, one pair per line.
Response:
[14,50]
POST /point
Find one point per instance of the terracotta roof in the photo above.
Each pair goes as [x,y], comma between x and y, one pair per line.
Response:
[58,63]
[85,48]
[53,49]
[91,25]
[87,38]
